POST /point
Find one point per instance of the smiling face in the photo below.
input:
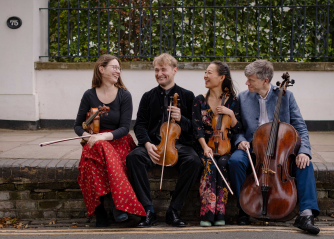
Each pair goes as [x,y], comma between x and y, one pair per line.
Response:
[211,77]
[255,85]
[164,74]
[111,72]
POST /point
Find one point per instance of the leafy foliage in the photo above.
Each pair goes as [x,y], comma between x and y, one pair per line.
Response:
[277,30]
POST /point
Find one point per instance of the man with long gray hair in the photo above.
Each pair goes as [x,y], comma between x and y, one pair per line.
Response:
[257,108]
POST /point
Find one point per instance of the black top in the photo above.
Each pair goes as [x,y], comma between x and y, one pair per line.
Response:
[151,111]
[202,120]
[118,118]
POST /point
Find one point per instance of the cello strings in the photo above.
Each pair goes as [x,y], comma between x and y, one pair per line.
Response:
[273,134]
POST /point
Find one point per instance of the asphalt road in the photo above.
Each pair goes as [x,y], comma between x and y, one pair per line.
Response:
[187,233]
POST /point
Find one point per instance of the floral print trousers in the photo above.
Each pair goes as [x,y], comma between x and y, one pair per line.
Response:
[213,190]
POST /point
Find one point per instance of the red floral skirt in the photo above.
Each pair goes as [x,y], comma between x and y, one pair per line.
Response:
[102,169]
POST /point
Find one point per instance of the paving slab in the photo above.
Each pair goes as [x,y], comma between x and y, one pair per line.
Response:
[17,138]
[25,132]
[62,134]
[322,138]
[75,154]
[317,157]
[327,156]
[5,146]
[323,148]
[37,152]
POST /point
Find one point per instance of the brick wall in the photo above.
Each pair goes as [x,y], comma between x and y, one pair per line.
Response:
[54,193]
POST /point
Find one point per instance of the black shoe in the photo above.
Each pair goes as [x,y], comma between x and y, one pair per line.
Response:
[149,220]
[101,216]
[172,218]
[243,218]
[306,223]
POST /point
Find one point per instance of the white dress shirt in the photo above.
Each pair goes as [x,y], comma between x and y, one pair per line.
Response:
[263,109]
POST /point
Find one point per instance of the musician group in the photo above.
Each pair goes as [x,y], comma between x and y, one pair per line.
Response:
[214,142]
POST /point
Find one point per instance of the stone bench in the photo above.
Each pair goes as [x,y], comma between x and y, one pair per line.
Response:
[36,188]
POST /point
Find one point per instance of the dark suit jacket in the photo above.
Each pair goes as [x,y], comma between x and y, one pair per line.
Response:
[150,112]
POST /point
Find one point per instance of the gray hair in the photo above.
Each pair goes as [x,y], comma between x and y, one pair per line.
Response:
[262,68]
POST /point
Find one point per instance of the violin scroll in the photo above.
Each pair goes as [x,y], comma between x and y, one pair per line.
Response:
[104,109]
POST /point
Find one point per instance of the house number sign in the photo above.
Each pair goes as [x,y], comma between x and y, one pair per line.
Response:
[14,22]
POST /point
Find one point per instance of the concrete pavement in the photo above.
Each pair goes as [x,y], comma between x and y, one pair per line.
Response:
[23,144]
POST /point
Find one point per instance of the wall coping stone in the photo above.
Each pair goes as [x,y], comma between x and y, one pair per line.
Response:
[146,65]
[28,171]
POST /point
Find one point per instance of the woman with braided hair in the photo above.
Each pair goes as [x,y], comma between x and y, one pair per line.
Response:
[213,190]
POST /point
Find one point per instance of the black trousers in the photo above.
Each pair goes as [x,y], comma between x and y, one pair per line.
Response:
[188,165]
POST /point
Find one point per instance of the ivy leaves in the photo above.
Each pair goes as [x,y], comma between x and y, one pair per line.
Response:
[192,30]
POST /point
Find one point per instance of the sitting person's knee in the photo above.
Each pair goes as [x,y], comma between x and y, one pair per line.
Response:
[130,158]
[222,163]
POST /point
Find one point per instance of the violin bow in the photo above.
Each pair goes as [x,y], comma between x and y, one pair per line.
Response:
[221,174]
[251,163]
[163,162]
[63,140]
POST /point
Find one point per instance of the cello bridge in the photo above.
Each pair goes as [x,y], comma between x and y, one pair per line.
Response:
[267,170]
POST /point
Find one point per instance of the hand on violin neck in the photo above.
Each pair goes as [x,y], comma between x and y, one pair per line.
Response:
[302,160]
[151,148]
[222,110]
[175,113]
[244,145]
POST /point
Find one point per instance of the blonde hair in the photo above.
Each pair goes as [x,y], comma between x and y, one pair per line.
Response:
[165,59]
[97,77]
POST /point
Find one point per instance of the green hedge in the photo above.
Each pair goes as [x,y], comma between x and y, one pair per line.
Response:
[225,30]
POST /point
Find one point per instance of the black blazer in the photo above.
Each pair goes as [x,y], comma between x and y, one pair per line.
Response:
[150,112]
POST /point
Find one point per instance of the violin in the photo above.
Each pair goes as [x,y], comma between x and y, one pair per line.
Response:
[276,146]
[219,142]
[169,132]
[92,123]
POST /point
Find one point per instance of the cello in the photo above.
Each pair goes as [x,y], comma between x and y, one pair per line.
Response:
[275,145]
